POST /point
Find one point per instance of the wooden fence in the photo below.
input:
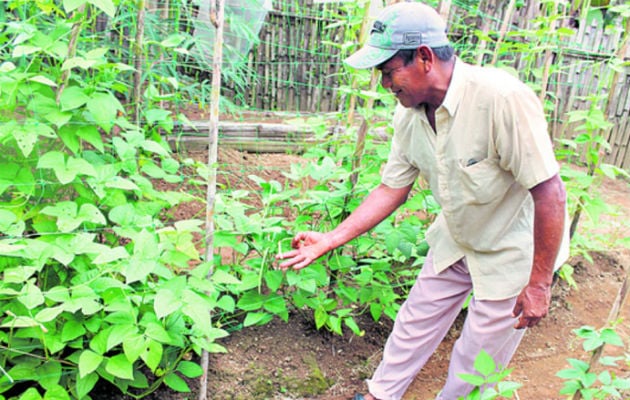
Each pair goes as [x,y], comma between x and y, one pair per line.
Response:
[297,64]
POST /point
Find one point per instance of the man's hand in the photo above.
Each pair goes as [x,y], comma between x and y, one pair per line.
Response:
[532,305]
[309,246]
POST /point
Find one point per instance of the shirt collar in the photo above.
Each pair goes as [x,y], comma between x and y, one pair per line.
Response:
[455,89]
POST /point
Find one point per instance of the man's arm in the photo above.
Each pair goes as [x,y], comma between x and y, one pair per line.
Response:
[309,246]
[549,212]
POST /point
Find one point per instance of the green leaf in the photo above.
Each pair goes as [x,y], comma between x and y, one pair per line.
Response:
[273,278]
[73,97]
[166,302]
[189,369]
[609,336]
[49,374]
[176,383]
[474,380]
[133,346]
[104,108]
[119,333]
[31,296]
[157,332]
[85,385]
[91,135]
[484,364]
[89,361]
[257,318]
[153,354]
[48,314]
[72,329]
[120,367]
[29,394]
[56,393]
[71,5]
[107,6]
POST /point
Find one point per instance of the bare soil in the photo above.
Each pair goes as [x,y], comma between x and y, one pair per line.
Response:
[295,361]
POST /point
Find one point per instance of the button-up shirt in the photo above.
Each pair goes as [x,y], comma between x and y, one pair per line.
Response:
[490,146]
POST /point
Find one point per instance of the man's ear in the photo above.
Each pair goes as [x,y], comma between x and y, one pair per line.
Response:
[424,54]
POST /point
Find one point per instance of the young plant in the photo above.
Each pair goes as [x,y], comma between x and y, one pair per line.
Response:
[588,384]
[491,382]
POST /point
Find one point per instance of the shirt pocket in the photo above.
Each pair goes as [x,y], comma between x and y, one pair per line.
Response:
[483,182]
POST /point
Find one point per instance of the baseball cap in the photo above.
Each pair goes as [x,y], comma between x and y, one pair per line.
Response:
[400,26]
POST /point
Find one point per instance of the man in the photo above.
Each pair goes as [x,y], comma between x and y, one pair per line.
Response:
[478,136]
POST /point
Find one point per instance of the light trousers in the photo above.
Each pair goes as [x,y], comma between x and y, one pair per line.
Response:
[423,321]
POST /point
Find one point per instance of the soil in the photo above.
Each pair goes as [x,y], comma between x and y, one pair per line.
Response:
[295,361]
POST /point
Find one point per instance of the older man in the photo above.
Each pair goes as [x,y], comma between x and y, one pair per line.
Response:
[478,136]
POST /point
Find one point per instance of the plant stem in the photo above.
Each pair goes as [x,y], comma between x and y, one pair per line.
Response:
[215,96]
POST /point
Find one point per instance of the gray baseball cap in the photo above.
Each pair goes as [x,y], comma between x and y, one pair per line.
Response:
[400,26]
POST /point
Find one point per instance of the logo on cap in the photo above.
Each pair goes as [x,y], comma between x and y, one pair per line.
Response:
[378,27]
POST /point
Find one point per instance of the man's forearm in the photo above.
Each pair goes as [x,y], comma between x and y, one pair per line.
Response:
[549,214]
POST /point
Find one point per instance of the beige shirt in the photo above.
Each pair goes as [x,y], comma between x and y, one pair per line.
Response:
[491,146]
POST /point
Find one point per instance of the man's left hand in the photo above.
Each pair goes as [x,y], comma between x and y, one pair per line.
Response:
[532,305]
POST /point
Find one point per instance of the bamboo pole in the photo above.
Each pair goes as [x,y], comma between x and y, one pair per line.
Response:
[503,30]
[72,49]
[138,60]
[362,33]
[217,18]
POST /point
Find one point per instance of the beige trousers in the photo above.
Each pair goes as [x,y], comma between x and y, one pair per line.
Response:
[424,319]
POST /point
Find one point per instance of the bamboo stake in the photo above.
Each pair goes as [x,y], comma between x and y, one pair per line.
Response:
[362,33]
[503,30]
[72,49]
[138,60]
[215,95]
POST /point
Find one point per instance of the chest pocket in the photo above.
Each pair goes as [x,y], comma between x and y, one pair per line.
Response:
[482,182]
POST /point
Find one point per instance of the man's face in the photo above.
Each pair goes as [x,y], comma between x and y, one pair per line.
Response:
[407,82]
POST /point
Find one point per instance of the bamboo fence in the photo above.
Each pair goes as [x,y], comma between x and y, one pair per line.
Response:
[297,64]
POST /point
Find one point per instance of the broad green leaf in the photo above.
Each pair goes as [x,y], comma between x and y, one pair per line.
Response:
[176,383]
[88,362]
[257,318]
[56,393]
[157,332]
[48,314]
[91,135]
[19,274]
[85,385]
[20,51]
[107,6]
[43,80]
[29,394]
[120,367]
[49,374]
[484,364]
[31,296]
[73,97]
[189,369]
[166,302]
[71,5]
[153,354]
[119,333]
[110,255]
[72,329]
[133,346]
[104,108]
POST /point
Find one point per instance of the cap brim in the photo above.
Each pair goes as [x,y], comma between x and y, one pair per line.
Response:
[369,57]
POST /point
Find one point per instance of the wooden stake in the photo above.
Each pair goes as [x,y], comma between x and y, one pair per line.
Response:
[138,60]
[213,138]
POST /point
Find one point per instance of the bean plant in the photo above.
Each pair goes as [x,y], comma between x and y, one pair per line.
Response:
[98,285]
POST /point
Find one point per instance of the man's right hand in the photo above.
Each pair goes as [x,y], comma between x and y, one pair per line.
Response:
[309,246]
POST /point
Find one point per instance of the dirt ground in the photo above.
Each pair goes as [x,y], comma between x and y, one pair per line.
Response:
[294,361]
